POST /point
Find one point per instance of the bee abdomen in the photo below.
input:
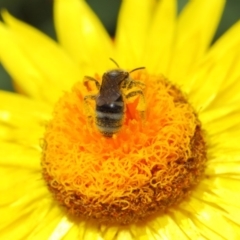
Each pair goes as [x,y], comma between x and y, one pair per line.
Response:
[109,118]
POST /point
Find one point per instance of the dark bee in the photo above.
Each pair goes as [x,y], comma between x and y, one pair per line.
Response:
[116,86]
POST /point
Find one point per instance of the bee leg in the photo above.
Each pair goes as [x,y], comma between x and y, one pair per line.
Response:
[141,107]
[132,83]
[88,79]
[87,108]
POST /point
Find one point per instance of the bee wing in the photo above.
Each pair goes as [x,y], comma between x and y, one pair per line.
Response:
[110,88]
[107,96]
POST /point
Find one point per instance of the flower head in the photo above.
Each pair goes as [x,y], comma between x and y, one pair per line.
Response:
[169,171]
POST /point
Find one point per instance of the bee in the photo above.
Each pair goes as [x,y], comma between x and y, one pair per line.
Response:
[116,87]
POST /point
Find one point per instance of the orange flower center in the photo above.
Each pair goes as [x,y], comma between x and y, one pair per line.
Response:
[146,167]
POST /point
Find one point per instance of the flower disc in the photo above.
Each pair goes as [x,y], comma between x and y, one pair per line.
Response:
[148,166]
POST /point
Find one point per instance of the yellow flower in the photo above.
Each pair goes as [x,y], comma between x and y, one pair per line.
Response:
[148,34]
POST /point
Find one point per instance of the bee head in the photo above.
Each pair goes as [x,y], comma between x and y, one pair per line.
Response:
[116,75]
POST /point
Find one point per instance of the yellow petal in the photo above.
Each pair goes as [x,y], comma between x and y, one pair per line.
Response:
[212,115]
[232,214]
[228,91]
[22,120]
[208,87]
[15,155]
[15,102]
[223,190]
[222,123]
[160,37]
[52,66]
[31,214]
[16,178]
[46,226]
[216,80]
[196,27]
[91,231]
[168,228]
[215,196]
[223,168]
[21,69]
[61,229]
[226,123]
[225,143]
[125,234]
[209,219]
[17,228]
[73,233]
[226,43]
[132,31]
[27,204]
[185,222]
[110,232]
[137,232]
[82,35]
[225,153]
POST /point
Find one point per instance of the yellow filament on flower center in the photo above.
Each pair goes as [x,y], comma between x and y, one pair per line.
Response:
[145,168]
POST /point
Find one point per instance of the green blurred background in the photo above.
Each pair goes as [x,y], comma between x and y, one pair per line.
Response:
[39,14]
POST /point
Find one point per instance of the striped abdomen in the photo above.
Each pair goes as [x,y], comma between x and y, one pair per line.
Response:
[109,117]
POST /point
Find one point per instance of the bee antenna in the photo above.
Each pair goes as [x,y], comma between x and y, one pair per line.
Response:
[114,62]
[135,69]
